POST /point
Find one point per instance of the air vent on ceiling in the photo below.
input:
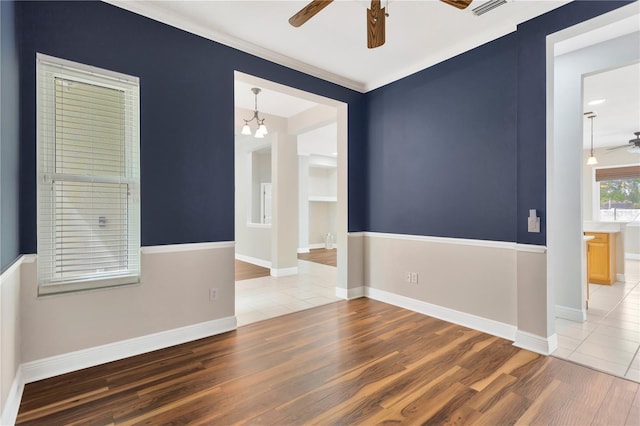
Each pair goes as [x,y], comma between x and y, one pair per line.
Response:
[488,6]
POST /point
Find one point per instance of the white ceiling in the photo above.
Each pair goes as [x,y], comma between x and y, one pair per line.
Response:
[332,45]
[269,101]
[619,116]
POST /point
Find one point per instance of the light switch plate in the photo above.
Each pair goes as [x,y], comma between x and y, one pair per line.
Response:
[534,224]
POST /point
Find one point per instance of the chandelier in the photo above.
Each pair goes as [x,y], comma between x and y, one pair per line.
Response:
[261,130]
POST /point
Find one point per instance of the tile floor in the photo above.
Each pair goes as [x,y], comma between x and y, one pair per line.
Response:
[609,340]
[258,299]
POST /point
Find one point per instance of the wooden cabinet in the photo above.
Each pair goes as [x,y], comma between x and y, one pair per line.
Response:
[601,258]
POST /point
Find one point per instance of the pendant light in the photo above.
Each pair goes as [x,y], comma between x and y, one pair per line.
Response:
[592,161]
[261,129]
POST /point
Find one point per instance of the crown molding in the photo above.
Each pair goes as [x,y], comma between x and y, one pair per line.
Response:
[148,10]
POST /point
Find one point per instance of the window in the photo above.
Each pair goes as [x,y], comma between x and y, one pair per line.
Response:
[88,177]
[619,189]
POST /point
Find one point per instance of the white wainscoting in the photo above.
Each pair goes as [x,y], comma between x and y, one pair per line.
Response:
[90,357]
[11,385]
[170,306]
[473,283]
[506,331]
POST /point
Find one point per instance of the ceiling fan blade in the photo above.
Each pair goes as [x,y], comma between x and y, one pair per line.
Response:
[629,145]
[460,4]
[375,25]
[308,12]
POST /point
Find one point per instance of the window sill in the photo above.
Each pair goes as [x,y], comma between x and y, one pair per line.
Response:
[86,285]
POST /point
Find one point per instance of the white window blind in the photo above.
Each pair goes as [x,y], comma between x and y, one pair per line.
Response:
[88,177]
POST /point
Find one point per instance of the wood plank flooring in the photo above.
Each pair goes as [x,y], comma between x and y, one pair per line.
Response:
[358,362]
[324,256]
[246,271]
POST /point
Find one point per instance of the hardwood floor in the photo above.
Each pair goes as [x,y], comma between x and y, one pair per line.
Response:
[324,256]
[350,362]
[246,271]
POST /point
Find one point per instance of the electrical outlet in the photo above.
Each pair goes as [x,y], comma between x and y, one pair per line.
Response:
[213,294]
[407,277]
[414,278]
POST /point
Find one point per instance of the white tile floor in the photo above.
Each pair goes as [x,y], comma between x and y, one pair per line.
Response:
[258,299]
[610,338]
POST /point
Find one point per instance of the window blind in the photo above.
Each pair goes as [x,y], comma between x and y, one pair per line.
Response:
[618,173]
[88,177]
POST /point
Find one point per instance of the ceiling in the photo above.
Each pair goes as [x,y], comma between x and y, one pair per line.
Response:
[332,45]
[619,116]
[269,101]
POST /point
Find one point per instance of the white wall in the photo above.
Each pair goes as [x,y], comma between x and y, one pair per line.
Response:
[564,226]
[303,203]
[322,220]
[253,241]
[632,241]
[323,181]
[318,147]
[260,173]
[284,253]
[322,214]
[10,340]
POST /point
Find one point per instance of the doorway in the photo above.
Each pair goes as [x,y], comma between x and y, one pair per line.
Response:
[572,54]
[269,199]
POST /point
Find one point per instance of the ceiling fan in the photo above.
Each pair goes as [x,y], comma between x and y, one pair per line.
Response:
[375,17]
[633,145]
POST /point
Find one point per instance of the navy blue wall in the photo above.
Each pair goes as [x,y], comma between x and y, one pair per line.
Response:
[9,137]
[442,148]
[532,124]
[458,149]
[186,87]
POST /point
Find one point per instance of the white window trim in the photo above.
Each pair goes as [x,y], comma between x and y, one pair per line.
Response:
[109,79]
[595,198]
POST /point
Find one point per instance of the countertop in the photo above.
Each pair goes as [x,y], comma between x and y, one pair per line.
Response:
[607,227]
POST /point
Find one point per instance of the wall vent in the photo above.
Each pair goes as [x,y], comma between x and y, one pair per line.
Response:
[488,6]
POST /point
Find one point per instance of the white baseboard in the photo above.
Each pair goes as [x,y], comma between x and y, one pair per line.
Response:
[632,256]
[571,314]
[316,246]
[253,260]
[90,357]
[621,278]
[535,343]
[350,293]
[283,272]
[12,404]
[496,328]
[303,250]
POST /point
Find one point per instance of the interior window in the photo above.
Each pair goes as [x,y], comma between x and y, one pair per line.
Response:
[619,189]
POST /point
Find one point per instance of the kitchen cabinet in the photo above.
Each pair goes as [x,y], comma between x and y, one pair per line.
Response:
[601,258]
